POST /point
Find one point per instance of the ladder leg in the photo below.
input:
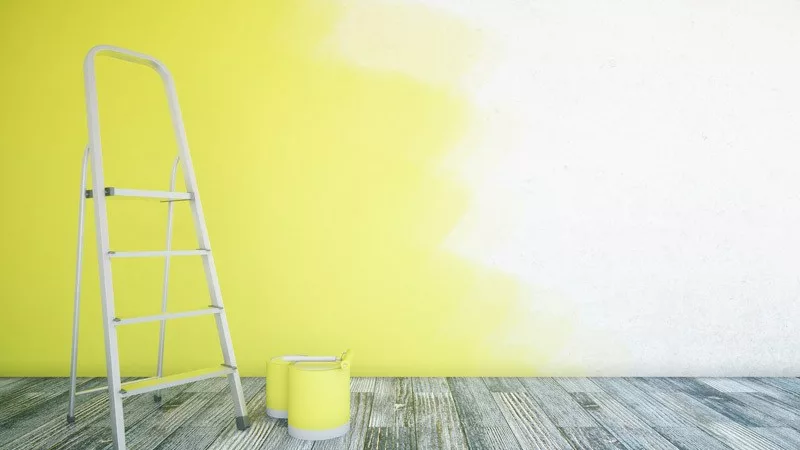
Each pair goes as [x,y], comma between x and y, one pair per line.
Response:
[76,314]
[112,346]
[103,256]
[242,421]
[165,290]
[226,344]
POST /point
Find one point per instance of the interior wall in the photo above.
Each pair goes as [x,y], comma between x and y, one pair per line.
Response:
[448,188]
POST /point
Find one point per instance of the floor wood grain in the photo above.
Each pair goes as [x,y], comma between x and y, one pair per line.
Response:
[430,413]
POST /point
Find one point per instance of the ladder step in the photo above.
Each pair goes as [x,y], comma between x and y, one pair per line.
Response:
[166,316]
[163,195]
[152,384]
[155,384]
[146,254]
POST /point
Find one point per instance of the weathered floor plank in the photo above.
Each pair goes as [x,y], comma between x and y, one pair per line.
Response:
[560,407]
[30,417]
[591,438]
[691,438]
[431,413]
[360,410]
[529,423]
[200,430]
[362,384]
[438,425]
[728,385]
[391,422]
[230,438]
[499,384]
[484,424]
[648,408]
[621,422]
[578,384]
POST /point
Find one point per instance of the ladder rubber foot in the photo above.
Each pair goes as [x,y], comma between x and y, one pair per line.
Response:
[70,419]
[242,422]
[156,398]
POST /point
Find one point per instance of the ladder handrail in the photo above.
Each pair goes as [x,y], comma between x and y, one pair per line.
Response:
[125,55]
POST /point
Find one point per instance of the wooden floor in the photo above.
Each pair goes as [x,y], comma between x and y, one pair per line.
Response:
[431,413]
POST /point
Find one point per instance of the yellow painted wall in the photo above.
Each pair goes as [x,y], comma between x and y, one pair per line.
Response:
[322,178]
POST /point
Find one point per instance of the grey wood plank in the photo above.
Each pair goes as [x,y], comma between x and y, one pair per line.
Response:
[651,384]
[738,411]
[648,408]
[231,438]
[678,384]
[640,438]
[474,403]
[362,384]
[200,430]
[360,410]
[791,385]
[787,438]
[559,406]
[279,438]
[727,385]
[691,409]
[31,395]
[781,412]
[26,385]
[784,399]
[438,425]
[718,425]
[542,385]
[500,384]
[36,415]
[591,438]
[608,411]
[393,403]
[426,385]
[390,438]
[8,384]
[484,424]
[529,423]
[578,384]
[92,422]
[391,422]
[691,438]
[759,386]
[621,422]
[151,431]
[738,436]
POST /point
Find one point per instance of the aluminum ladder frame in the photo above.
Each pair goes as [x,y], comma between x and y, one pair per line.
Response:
[116,389]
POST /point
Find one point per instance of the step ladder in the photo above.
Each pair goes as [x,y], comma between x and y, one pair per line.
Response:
[116,389]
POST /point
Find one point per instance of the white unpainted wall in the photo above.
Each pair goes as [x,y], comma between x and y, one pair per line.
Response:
[640,159]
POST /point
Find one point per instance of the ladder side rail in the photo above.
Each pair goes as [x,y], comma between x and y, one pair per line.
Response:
[76,311]
[203,241]
[104,261]
[165,289]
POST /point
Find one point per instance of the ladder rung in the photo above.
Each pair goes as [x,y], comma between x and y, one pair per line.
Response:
[163,195]
[166,316]
[154,383]
[146,254]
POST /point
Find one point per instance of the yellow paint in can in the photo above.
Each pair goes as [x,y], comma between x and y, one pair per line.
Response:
[319,399]
[277,387]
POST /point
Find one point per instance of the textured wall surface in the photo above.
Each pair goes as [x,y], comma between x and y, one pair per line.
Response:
[447,187]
